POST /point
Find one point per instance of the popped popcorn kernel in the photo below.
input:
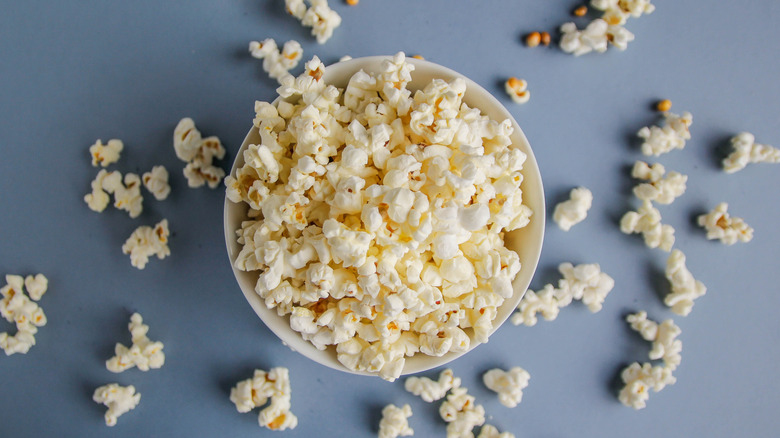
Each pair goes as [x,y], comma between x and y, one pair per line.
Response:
[746,151]
[319,16]
[685,288]
[579,42]
[256,391]
[543,302]
[658,188]
[18,308]
[98,199]
[663,336]
[105,154]
[533,39]
[517,89]
[199,154]
[142,353]
[118,399]
[574,210]
[618,11]
[671,135]
[490,431]
[431,390]
[36,285]
[647,221]
[277,64]
[720,225]
[461,413]
[395,422]
[508,384]
[640,379]
[127,195]
[663,105]
[156,181]
[147,241]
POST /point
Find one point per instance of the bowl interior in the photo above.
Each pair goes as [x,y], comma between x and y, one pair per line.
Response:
[527,242]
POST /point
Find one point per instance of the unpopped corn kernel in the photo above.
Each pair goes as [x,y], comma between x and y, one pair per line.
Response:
[508,384]
[118,399]
[720,225]
[574,210]
[545,38]
[533,39]
[580,11]
[395,422]
[517,89]
[664,105]
[143,353]
[352,2]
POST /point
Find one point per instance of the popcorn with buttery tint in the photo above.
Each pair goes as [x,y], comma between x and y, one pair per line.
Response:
[16,307]
[720,225]
[147,241]
[431,390]
[517,89]
[745,150]
[461,413]
[660,187]
[685,288]
[574,210]
[254,392]
[647,221]
[105,154]
[671,135]
[490,431]
[199,154]
[508,384]
[143,353]
[156,181]
[118,400]
[395,422]
[640,379]
[276,63]
[319,16]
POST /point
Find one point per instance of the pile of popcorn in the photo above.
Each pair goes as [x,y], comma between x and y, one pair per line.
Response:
[254,392]
[376,215]
[608,29]
[23,310]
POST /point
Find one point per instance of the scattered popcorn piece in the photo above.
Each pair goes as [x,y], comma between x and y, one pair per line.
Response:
[685,288]
[105,154]
[319,16]
[617,11]
[143,353]
[580,11]
[517,89]
[345,58]
[672,135]
[639,379]
[543,302]
[647,220]
[156,181]
[16,307]
[663,336]
[98,199]
[118,400]
[659,188]
[431,390]
[533,39]
[276,64]
[508,384]
[574,210]
[147,241]
[127,195]
[256,391]
[395,422]
[746,151]
[595,37]
[490,431]
[199,154]
[720,225]
[664,105]
[462,414]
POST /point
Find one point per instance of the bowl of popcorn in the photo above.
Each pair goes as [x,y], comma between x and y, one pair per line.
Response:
[384,215]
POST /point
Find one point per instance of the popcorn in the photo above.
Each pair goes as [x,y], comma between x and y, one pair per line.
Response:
[199,154]
[118,399]
[127,196]
[543,302]
[431,390]
[98,199]
[575,210]
[256,391]
[639,379]
[672,135]
[147,241]
[16,307]
[489,431]
[143,353]
[685,288]
[594,37]
[517,90]
[746,151]
[720,225]
[647,220]
[394,422]
[508,384]
[105,154]
[375,215]
[156,181]
[276,64]
[319,16]
[659,188]
[663,336]
[462,414]
[618,11]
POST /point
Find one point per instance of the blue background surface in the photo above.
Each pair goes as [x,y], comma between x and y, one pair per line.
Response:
[72,72]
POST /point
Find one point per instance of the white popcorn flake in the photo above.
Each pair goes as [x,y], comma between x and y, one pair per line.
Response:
[143,353]
[431,390]
[517,89]
[147,241]
[199,154]
[640,379]
[685,288]
[508,384]
[462,414]
[254,392]
[118,399]
[658,188]
[156,181]
[361,247]
[647,221]
[395,422]
[746,151]
[543,302]
[98,199]
[663,336]
[127,195]
[277,64]
[105,154]
[671,135]
[720,225]
[574,210]
[16,307]
[490,431]
[580,42]
[319,16]
[618,11]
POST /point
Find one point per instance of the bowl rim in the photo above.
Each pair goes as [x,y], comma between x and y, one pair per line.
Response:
[419,362]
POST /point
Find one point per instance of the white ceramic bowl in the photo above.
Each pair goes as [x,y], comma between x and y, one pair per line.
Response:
[527,242]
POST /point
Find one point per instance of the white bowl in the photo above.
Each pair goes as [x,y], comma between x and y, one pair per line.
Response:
[527,242]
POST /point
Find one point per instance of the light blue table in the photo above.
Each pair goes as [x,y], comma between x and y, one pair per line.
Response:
[72,72]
